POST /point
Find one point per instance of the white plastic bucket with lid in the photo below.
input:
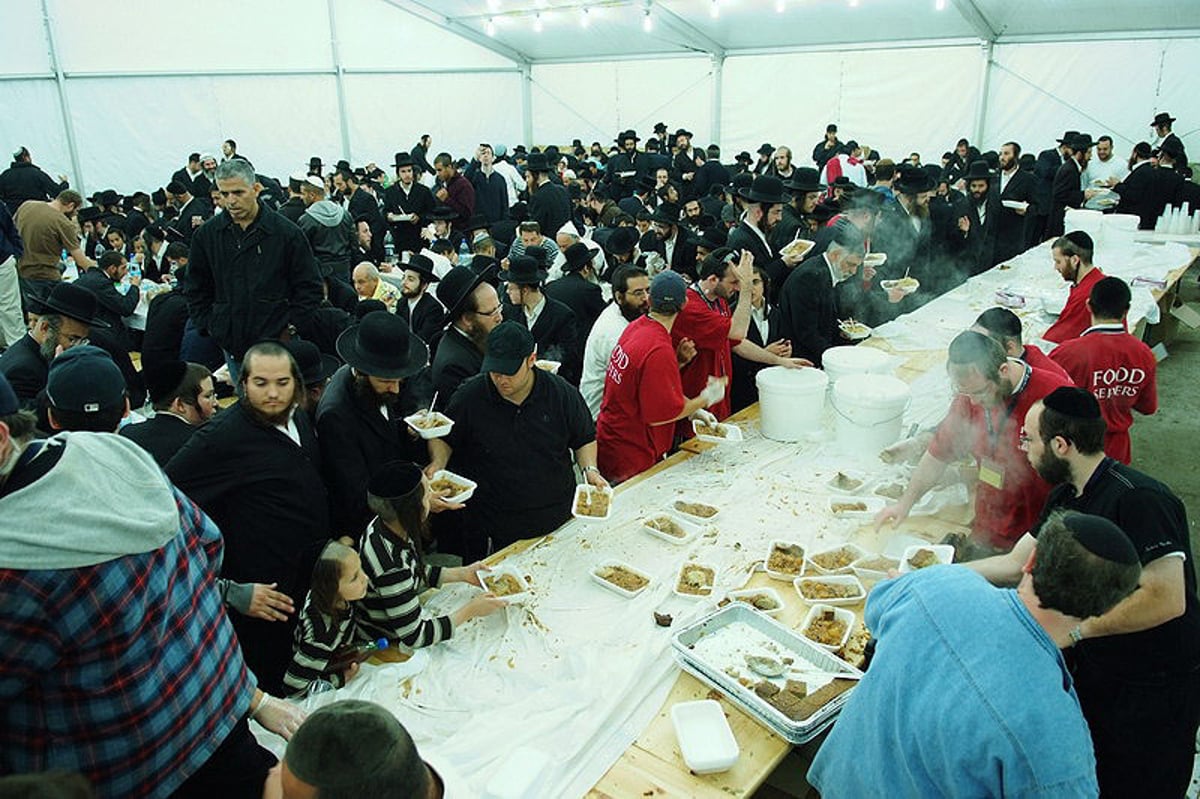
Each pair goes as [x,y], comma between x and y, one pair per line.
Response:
[851,360]
[870,410]
[1088,221]
[791,402]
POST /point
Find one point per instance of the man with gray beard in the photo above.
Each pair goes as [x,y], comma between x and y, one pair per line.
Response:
[69,313]
[360,418]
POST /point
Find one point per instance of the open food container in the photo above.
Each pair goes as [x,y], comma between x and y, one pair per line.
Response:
[505,582]
[920,556]
[864,507]
[429,424]
[905,285]
[847,481]
[695,511]
[620,578]
[784,560]
[670,527]
[831,589]
[872,568]
[718,433]
[591,504]
[695,580]
[833,560]
[827,626]
[854,330]
[462,489]
[764,600]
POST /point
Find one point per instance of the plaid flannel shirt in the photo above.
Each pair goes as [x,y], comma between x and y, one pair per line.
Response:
[127,671]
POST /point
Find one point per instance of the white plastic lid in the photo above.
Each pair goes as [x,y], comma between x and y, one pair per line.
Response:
[705,739]
[781,378]
[872,391]
[862,359]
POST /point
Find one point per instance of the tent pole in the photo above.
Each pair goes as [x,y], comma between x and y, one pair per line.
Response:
[718,80]
[985,84]
[337,77]
[63,105]
[527,104]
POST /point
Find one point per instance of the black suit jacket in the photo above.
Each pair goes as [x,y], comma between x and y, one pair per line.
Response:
[183,176]
[456,359]
[582,296]
[111,305]
[743,391]
[557,335]
[619,186]
[550,207]
[197,206]
[743,238]
[1010,226]
[1066,192]
[426,319]
[1146,191]
[981,239]
[808,310]
[683,257]
[162,436]
[26,370]
[419,201]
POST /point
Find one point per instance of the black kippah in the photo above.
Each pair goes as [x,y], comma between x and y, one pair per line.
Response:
[394,479]
[1074,402]
[1080,239]
[1101,537]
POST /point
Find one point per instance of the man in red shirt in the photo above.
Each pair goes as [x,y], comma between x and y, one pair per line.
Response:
[716,331]
[1115,366]
[1004,327]
[1073,259]
[993,394]
[643,394]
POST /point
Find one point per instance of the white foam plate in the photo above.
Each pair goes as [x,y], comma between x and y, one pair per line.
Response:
[841,614]
[785,576]
[692,518]
[907,288]
[705,740]
[944,552]
[1016,205]
[462,496]
[690,531]
[430,432]
[839,579]
[512,599]
[732,432]
[734,596]
[690,564]
[584,488]
[811,565]
[616,589]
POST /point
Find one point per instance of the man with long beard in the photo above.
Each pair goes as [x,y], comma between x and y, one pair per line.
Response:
[360,418]
[255,470]
[631,299]
[1136,667]
[68,314]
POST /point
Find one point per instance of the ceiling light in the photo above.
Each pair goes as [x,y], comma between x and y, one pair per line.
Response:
[854,3]
[714,10]
[490,27]
[586,18]
[647,22]
[940,5]
[493,5]
[780,6]
[537,23]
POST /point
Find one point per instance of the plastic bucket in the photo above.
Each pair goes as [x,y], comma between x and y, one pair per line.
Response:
[850,360]
[790,401]
[1088,221]
[870,410]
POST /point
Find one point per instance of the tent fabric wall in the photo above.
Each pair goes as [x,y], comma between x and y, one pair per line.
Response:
[596,101]
[30,116]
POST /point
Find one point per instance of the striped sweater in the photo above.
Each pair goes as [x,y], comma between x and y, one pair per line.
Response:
[318,638]
[391,608]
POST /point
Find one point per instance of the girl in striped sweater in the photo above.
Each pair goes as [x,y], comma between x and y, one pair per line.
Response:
[328,622]
[398,494]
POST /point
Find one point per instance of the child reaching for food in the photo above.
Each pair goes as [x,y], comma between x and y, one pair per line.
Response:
[327,625]
[399,496]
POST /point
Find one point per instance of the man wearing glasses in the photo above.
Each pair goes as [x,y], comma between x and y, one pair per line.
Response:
[473,309]
[994,393]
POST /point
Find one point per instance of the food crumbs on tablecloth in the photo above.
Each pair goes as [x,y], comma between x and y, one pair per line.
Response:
[715,695]
[663,619]
[512,664]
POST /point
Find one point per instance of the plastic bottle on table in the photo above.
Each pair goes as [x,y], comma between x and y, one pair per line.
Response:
[347,656]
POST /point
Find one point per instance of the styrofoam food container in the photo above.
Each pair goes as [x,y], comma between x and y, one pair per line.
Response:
[944,552]
[841,614]
[690,564]
[872,575]
[462,496]
[863,480]
[732,432]
[898,542]
[512,599]
[733,596]
[854,334]
[520,775]
[584,488]
[431,432]
[799,247]
[548,366]
[1016,205]
[875,259]
[785,576]
[812,566]
[695,519]
[873,504]
[907,288]
[616,589]
[690,530]
[705,739]
[839,579]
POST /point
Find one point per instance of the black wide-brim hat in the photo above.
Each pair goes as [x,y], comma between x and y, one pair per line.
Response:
[621,240]
[577,256]
[443,212]
[1066,137]
[978,170]
[537,162]
[524,270]
[743,157]
[402,159]
[383,346]
[765,149]
[74,302]
[627,134]
[805,179]
[454,289]
[423,266]
[1162,118]
[667,213]
[763,189]
[682,132]
[915,180]
[315,366]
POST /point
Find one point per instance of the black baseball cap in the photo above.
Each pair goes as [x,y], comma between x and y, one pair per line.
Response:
[508,346]
[85,379]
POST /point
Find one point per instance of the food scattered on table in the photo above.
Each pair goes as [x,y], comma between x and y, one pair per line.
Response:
[663,619]
[844,482]
[622,578]
[923,558]
[786,559]
[714,430]
[697,509]
[696,580]
[836,559]
[502,584]
[848,507]
[666,526]
[890,490]
[816,589]
[592,502]
[826,629]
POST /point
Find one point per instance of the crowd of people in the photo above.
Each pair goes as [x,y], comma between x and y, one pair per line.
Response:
[571,312]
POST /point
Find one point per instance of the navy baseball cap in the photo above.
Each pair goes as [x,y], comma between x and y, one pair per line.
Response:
[85,379]
[668,292]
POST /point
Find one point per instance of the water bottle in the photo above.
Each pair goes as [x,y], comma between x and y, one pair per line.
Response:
[347,656]
[389,247]
[135,270]
[463,249]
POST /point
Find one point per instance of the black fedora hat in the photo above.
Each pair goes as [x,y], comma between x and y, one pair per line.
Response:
[712,238]
[803,180]
[743,157]
[683,132]
[109,197]
[89,214]
[74,302]
[476,222]
[1082,141]
[763,189]
[315,366]
[382,346]
[660,127]
[1066,137]
[454,289]
[978,170]
[765,148]
[1162,118]
[315,162]
[423,266]
[824,212]
[402,159]
[537,162]
[577,256]
[627,134]
[667,213]
[444,212]
[862,199]
[622,240]
[914,180]
[524,270]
